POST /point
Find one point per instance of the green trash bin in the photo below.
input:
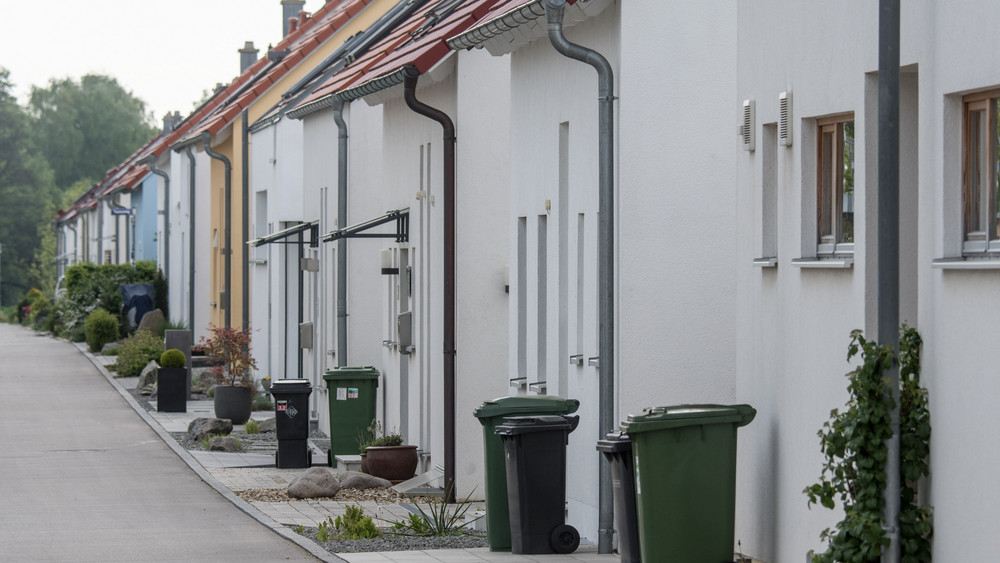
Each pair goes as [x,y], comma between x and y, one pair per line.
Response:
[490,415]
[352,406]
[685,480]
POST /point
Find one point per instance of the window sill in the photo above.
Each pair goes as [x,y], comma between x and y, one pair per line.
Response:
[966,264]
[831,263]
[258,261]
[519,382]
[768,262]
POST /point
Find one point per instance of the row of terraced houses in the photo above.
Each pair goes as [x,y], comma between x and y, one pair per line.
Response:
[418,185]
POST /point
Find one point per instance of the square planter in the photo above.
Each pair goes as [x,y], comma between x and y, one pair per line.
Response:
[171,389]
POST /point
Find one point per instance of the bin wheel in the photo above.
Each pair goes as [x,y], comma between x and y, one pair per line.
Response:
[564,539]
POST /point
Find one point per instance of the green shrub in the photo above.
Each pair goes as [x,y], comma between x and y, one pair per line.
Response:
[137,351]
[354,525]
[90,287]
[251,427]
[101,327]
[173,358]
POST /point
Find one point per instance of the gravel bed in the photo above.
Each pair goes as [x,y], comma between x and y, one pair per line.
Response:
[267,442]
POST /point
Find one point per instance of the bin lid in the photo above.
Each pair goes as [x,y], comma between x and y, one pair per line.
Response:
[351,372]
[543,423]
[541,404]
[659,418]
[615,442]
[291,386]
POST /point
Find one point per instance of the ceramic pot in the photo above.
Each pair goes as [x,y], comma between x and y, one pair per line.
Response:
[395,463]
[234,403]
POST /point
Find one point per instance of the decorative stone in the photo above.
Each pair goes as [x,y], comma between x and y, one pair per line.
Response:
[152,321]
[109,346]
[315,482]
[202,380]
[358,480]
[201,428]
[147,378]
[268,425]
[224,444]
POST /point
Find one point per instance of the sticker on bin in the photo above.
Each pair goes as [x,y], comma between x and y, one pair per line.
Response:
[352,392]
[281,406]
[341,393]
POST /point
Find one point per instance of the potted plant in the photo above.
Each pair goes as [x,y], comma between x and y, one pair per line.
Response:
[234,372]
[171,382]
[386,456]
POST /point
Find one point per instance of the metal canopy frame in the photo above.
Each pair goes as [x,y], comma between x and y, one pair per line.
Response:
[280,236]
[400,216]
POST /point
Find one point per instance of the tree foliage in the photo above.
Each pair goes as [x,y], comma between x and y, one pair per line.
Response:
[26,195]
[85,128]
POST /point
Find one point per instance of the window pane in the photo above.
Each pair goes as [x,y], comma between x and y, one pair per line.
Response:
[825,196]
[847,196]
[975,180]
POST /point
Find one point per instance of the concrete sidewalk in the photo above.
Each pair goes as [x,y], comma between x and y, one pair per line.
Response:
[230,473]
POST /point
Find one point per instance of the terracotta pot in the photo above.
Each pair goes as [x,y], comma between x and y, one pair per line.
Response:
[395,463]
[234,403]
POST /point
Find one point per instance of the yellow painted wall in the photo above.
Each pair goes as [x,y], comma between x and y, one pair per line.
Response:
[231,147]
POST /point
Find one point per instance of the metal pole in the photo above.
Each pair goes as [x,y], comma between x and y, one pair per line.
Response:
[887,286]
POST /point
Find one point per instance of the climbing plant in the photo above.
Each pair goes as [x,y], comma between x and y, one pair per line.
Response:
[854,448]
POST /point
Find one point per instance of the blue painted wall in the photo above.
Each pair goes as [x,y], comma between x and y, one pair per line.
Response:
[144,201]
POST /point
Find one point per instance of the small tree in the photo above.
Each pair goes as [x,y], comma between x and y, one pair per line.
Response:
[232,348]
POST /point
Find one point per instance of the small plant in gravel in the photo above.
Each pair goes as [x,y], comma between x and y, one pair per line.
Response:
[137,351]
[437,520]
[252,427]
[354,525]
[262,403]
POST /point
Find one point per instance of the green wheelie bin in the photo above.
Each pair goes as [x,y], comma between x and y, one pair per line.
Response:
[685,480]
[352,406]
[491,415]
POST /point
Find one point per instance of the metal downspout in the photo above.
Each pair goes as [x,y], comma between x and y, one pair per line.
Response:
[76,244]
[245,262]
[338,117]
[409,94]
[150,162]
[191,226]
[606,250]
[227,227]
[100,230]
[887,270]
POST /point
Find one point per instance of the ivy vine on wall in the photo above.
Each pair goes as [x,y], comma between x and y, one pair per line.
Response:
[853,443]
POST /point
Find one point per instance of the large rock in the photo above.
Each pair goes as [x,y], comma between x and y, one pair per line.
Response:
[269,425]
[358,480]
[109,346]
[147,378]
[152,321]
[315,482]
[224,444]
[202,380]
[201,428]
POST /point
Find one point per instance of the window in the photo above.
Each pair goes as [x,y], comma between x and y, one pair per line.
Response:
[835,185]
[980,185]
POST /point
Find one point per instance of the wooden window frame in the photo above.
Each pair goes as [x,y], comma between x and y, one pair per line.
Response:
[830,235]
[980,226]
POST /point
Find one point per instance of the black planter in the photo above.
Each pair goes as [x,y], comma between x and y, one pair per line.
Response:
[171,390]
[234,403]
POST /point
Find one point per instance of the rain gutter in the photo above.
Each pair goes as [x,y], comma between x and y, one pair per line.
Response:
[506,22]
[338,117]
[411,75]
[206,139]
[606,258]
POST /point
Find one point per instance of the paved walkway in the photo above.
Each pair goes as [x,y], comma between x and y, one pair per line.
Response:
[82,478]
[228,474]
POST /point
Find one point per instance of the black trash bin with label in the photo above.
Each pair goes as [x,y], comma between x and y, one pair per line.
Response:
[535,448]
[291,418]
[617,449]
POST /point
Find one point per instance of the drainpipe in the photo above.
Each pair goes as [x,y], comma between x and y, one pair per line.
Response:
[206,139]
[338,116]
[409,94]
[245,263]
[606,250]
[100,230]
[887,270]
[150,162]
[191,225]
[76,244]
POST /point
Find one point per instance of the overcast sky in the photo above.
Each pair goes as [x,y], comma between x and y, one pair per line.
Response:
[165,53]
